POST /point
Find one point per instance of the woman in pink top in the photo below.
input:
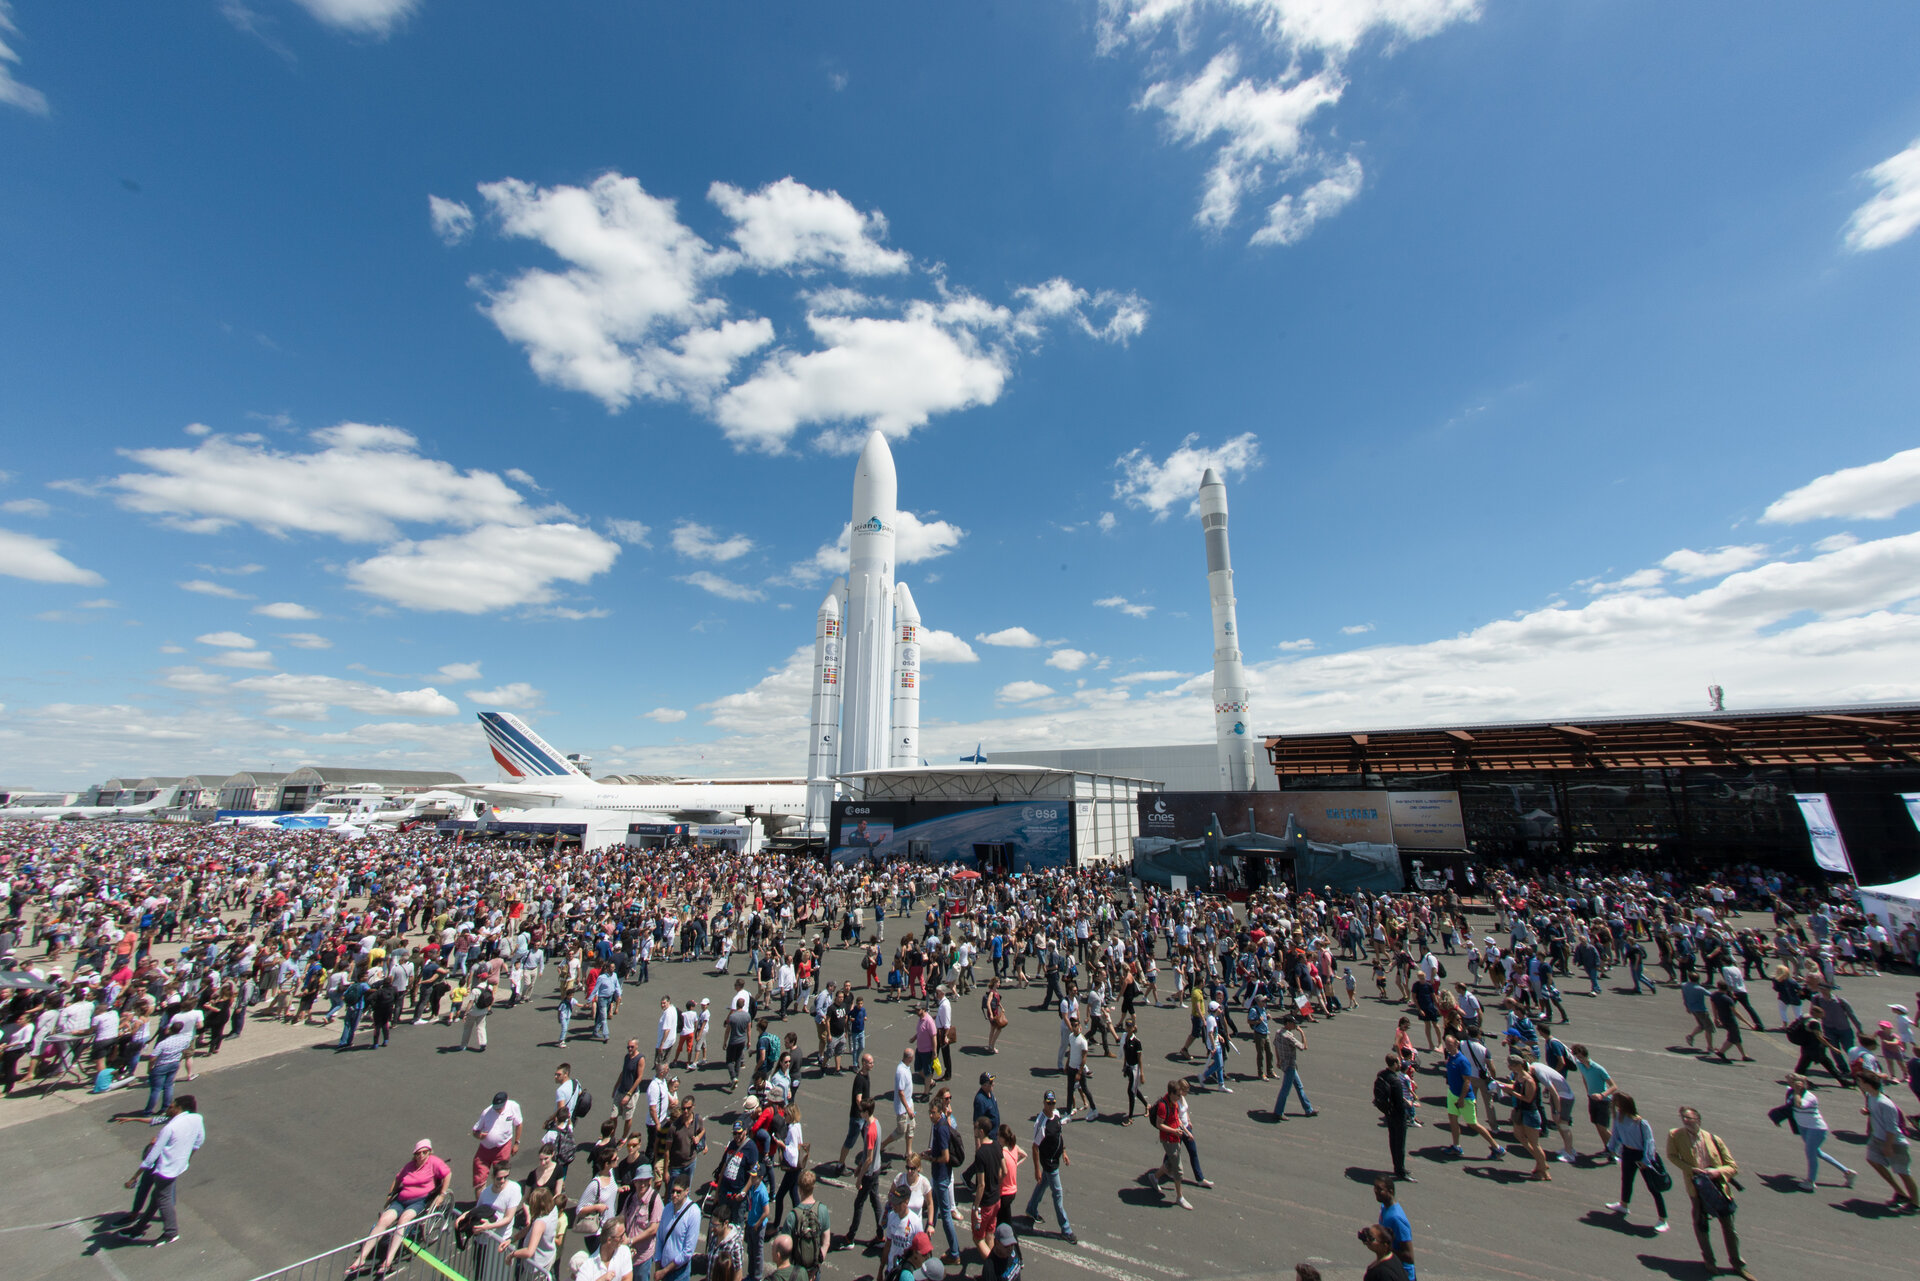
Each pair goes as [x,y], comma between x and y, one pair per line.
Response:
[421,1185]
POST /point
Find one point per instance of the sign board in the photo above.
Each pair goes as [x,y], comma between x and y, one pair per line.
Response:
[719,832]
[1829,850]
[1427,820]
[657,829]
[1336,818]
[1030,834]
[1179,884]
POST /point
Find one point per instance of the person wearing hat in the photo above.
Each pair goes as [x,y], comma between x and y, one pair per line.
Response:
[498,1134]
[1003,1262]
[1049,1154]
[420,1186]
[918,1263]
[984,1104]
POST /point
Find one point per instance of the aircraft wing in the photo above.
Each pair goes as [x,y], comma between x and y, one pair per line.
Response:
[518,798]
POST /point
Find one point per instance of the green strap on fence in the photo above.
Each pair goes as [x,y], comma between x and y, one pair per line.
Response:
[435,1264]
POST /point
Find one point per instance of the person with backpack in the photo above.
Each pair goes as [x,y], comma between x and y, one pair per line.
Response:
[1630,1141]
[808,1229]
[1704,1164]
[1049,1154]
[1165,1115]
[947,1152]
[1390,1101]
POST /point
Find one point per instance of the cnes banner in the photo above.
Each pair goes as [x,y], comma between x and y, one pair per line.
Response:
[1829,851]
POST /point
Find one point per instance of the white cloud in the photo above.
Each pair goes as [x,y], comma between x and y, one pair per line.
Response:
[937,646]
[1069,659]
[492,567]
[1010,638]
[1289,219]
[1894,211]
[664,715]
[102,603]
[1331,27]
[39,560]
[516,694]
[27,507]
[12,91]
[699,542]
[1125,606]
[225,640]
[725,588]
[240,571]
[1691,565]
[257,659]
[1356,629]
[1022,691]
[452,221]
[631,532]
[1296,646]
[376,18]
[306,640]
[916,539]
[1157,486]
[1875,491]
[172,649]
[1107,522]
[202,587]
[459,672]
[286,610]
[1640,580]
[1151,678]
[286,688]
[1835,542]
[786,225]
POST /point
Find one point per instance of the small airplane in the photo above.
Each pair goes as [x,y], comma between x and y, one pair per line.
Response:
[978,757]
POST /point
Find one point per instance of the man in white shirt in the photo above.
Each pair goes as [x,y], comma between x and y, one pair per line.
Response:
[943,1033]
[669,1031]
[180,1137]
[903,1114]
[498,1134]
[659,1108]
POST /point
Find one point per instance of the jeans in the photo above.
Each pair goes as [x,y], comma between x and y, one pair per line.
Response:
[1216,1073]
[1289,1082]
[160,1087]
[1639,977]
[943,1207]
[153,1195]
[565,1015]
[1815,1141]
[1048,1181]
[349,1024]
[1193,1157]
[1593,980]
[601,1008]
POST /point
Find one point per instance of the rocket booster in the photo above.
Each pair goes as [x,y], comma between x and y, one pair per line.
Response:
[823,752]
[905,741]
[867,666]
[1232,736]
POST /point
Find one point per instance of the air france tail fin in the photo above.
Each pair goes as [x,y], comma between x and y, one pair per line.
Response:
[523,753]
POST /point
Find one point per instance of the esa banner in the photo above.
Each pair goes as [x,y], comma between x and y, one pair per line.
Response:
[1913,806]
[1829,851]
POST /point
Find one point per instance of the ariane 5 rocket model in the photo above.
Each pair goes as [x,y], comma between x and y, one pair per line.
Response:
[1233,735]
[866,647]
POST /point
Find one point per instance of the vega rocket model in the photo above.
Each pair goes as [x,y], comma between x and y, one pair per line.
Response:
[866,647]
[1233,737]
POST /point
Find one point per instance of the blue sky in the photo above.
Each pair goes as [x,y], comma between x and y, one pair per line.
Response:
[367,363]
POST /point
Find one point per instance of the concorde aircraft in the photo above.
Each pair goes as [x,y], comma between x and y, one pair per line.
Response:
[544,779]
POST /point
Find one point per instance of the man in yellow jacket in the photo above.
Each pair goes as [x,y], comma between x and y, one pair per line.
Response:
[1704,1164]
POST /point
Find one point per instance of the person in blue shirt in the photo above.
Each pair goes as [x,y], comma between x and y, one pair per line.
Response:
[984,1104]
[1463,1110]
[678,1238]
[757,1207]
[606,993]
[1394,1220]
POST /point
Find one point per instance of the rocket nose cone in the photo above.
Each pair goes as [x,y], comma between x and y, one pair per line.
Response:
[1210,478]
[903,607]
[831,605]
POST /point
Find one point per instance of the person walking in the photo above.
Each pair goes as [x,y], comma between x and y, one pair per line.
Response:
[1049,1154]
[1394,1220]
[167,1158]
[497,1134]
[1804,1106]
[163,1064]
[1288,1042]
[1165,1115]
[473,1033]
[1888,1151]
[1630,1141]
[1703,1160]
[1463,1110]
[1131,1052]
[1390,1100]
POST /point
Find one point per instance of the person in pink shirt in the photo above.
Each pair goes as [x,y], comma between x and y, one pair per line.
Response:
[420,1186]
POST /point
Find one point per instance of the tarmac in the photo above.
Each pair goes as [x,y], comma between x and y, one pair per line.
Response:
[303,1140]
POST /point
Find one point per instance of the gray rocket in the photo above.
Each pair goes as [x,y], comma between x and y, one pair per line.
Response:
[1233,735]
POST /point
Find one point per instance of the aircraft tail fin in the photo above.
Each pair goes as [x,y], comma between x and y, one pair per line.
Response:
[523,753]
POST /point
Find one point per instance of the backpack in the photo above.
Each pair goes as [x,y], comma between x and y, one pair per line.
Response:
[806,1236]
[1052,1145]
[1797,1033]
[582,1103]
[1382,1094]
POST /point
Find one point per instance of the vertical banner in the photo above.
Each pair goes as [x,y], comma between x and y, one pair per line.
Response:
[1829,851]
[1913,806]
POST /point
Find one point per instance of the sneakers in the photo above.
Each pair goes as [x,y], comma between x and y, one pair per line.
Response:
[1203,1183]
[1069,1238]
[1616,1207]
[1452,1151]
[1849,1182]
[1497,1153]
[165,1240]
[1185,1204]
[1660,1226]
[1566,1157]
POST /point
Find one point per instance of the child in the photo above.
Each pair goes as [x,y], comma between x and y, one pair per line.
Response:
[1379,979]
[1351,985]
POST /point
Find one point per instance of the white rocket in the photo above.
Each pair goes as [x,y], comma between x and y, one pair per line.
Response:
[866,648]
[1233,737]
[904,743]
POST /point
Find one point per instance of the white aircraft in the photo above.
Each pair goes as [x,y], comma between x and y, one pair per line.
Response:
[551,781]
[56,813]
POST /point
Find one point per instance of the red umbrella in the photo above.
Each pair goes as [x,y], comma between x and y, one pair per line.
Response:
[966,875]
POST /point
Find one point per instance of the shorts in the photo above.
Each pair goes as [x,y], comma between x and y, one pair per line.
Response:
[922,1062]
[1600,1111]
[836,1046]
[1528,1116]
[1169,1158]
[1466,1110]
[417,1204]
[1199,1027]
[626,1109]
[1894,1154]
[905,1123]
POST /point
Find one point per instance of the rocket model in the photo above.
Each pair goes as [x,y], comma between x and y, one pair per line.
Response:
[1232,737]
[866,647]
[823,754]
[904,743]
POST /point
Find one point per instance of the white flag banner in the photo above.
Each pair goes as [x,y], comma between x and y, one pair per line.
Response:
[1913,806]
[1829,851]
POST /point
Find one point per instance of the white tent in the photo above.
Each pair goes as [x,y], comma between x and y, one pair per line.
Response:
[1893,905]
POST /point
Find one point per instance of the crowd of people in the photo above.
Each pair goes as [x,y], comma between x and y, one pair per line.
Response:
[152,946]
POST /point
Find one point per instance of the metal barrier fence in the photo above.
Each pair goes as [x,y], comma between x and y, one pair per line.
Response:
[429,1251]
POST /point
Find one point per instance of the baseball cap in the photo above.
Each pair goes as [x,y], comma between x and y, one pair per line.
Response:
[921,1243]
[500,1099]
[706,1000]
[1003,1235]
[1049,1097]
[986,1078]
[739,1127]
[1898,1009]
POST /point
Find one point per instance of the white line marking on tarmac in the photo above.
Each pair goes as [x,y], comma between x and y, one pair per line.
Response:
[1127,1258]
[106,1259]
[57,1223]
[1078,1261]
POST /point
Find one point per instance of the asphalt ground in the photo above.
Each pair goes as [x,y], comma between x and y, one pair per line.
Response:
[302,1143]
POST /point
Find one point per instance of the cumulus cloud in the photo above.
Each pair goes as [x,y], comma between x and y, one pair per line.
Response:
[516,694]
[1068,659]
[1301,645]
[1875,491]
[725,588]
[1691,565]
[916,539]
[306,640]
[664,715]
[1356,629]
[285,688]
[1261,129]
[1157,485]
[225,640]
[376,18]
[452,221]
[492,567]
[27,507]
[1107,522]
[287,610]
[202,587]
[459,672]
[1131,609]
[12,92]
[631,532]
[1010,638]
[257,659]
[1894,211]
[937,646]
[639,312]
[699,542]
[39,560]
[1151,678]
[1022,691]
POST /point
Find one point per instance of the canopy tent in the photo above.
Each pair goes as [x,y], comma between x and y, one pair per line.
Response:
[1893,905]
